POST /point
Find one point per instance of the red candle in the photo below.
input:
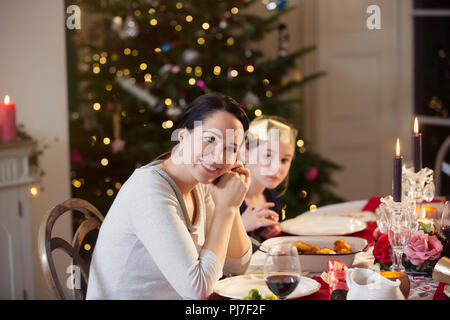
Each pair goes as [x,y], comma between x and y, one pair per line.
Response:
[398,174]
[417,139]
[8,130]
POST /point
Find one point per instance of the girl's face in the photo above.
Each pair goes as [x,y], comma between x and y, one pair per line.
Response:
[272,163]
[211,148]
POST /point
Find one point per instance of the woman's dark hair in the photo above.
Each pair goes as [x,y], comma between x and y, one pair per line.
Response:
[203,107]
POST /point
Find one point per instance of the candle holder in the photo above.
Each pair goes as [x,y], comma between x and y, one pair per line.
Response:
[418,187]
[395,220]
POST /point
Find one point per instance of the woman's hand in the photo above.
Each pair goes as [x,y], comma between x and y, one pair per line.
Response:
[231,188]
[261,216]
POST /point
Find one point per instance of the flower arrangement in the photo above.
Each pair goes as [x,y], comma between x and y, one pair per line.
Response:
[424,250]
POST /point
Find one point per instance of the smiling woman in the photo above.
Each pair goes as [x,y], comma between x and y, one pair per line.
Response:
[174,228]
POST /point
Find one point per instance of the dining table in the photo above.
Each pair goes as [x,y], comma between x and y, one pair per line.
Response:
[422,286]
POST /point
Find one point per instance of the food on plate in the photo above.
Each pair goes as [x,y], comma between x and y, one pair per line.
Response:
[302,246]
[254,294]
[340,246]
[326,251]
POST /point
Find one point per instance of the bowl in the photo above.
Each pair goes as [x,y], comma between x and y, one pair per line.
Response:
[317,262]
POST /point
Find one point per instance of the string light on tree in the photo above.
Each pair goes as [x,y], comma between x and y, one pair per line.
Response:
[217,70]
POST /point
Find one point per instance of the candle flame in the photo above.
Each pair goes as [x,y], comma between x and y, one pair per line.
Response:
[6,101]
[398,147]
[416,126]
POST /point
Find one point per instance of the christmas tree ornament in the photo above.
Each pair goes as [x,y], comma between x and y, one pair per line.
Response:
[190,56]
[251,98]
[138,92]
[117,23]
[76,157]
[248,52]
[130,29]
[174,111]
[281,4]
[311,174]
[118,144]
[283,38]
[270,5]
[201,84]
[223,24]
[89,117]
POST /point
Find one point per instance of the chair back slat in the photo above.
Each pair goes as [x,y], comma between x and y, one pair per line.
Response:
[440,158]
[48,244]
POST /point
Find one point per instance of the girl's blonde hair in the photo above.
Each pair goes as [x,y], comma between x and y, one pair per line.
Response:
[285,182]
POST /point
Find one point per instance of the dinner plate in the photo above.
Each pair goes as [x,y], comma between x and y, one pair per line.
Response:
[360,215]
[237,287]
[322,225]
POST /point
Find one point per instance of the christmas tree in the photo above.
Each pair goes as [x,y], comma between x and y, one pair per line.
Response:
[139,63]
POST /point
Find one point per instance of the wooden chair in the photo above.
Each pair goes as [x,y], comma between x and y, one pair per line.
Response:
[47,244]
[440,157]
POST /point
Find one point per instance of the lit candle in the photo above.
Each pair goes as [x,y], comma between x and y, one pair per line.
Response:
[398,174]
[8,130]
[417,141]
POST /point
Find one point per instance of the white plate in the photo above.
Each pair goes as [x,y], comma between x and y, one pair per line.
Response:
[317,262]
[360,215]
[238,287]
[322,225]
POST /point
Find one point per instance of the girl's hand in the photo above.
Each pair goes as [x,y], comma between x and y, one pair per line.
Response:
[271,231]
[261,216]
[231,188]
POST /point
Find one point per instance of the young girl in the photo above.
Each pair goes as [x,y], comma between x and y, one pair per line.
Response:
[174,228]
[271,148]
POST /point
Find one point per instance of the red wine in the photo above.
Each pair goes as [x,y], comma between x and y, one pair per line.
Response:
[282,285]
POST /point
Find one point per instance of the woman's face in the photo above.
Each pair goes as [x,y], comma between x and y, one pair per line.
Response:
[272,163]
[212,146]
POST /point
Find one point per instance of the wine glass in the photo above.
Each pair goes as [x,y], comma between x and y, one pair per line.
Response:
[399,233]
[282,271]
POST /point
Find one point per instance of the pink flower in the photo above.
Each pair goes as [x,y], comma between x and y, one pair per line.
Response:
[423,247]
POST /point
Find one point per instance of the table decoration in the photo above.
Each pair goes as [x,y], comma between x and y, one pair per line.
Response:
[419,187]
[395,221]
[421,255]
